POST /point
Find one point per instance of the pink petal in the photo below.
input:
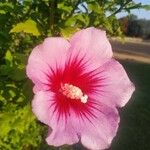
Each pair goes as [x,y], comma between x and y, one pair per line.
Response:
[50,54]
[93,44]
[115,88]
[41,106]
[61,131]
[97,131]
[62,134]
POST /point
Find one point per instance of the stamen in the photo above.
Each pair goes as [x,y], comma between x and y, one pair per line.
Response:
[84,99]
[73,92]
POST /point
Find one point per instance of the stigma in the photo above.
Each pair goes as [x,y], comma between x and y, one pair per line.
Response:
[73,92]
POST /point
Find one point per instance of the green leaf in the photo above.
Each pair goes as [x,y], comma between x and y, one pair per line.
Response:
[67,31]
[17,74]
[95,7]
[6,7]
[20,58]
[8,56]
[83,18]
[2,12]
[5,120]
[63,7]
[27,90]
[29,26]
[3,36]
[5,70]
[146,7]
[70,22]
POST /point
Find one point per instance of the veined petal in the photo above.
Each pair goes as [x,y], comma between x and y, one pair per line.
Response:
[114,87]
[62,134]
[49,55]
[96,127]
[93,44]
[96,131]
[44,107]
[61,130]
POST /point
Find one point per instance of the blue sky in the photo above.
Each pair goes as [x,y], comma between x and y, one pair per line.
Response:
[141,13]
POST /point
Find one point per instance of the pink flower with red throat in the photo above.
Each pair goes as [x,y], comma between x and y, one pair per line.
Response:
[78,86]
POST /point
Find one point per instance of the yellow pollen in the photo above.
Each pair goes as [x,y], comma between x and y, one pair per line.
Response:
[73,92]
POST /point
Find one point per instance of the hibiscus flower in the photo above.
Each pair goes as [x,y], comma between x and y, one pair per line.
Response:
[78,87]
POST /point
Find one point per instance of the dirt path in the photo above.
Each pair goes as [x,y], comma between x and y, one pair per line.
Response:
[139,51]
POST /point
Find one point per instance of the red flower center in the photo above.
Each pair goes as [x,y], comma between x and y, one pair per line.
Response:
[73,87]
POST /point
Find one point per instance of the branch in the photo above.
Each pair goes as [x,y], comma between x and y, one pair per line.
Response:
[53,7]
[120,8]
[135,6]
[84,7]
[59,148]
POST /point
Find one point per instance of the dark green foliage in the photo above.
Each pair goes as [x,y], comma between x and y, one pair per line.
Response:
[24,24]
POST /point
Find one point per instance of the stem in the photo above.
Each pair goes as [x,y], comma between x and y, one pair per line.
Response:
[53,7]
[59,148]
[84,8]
